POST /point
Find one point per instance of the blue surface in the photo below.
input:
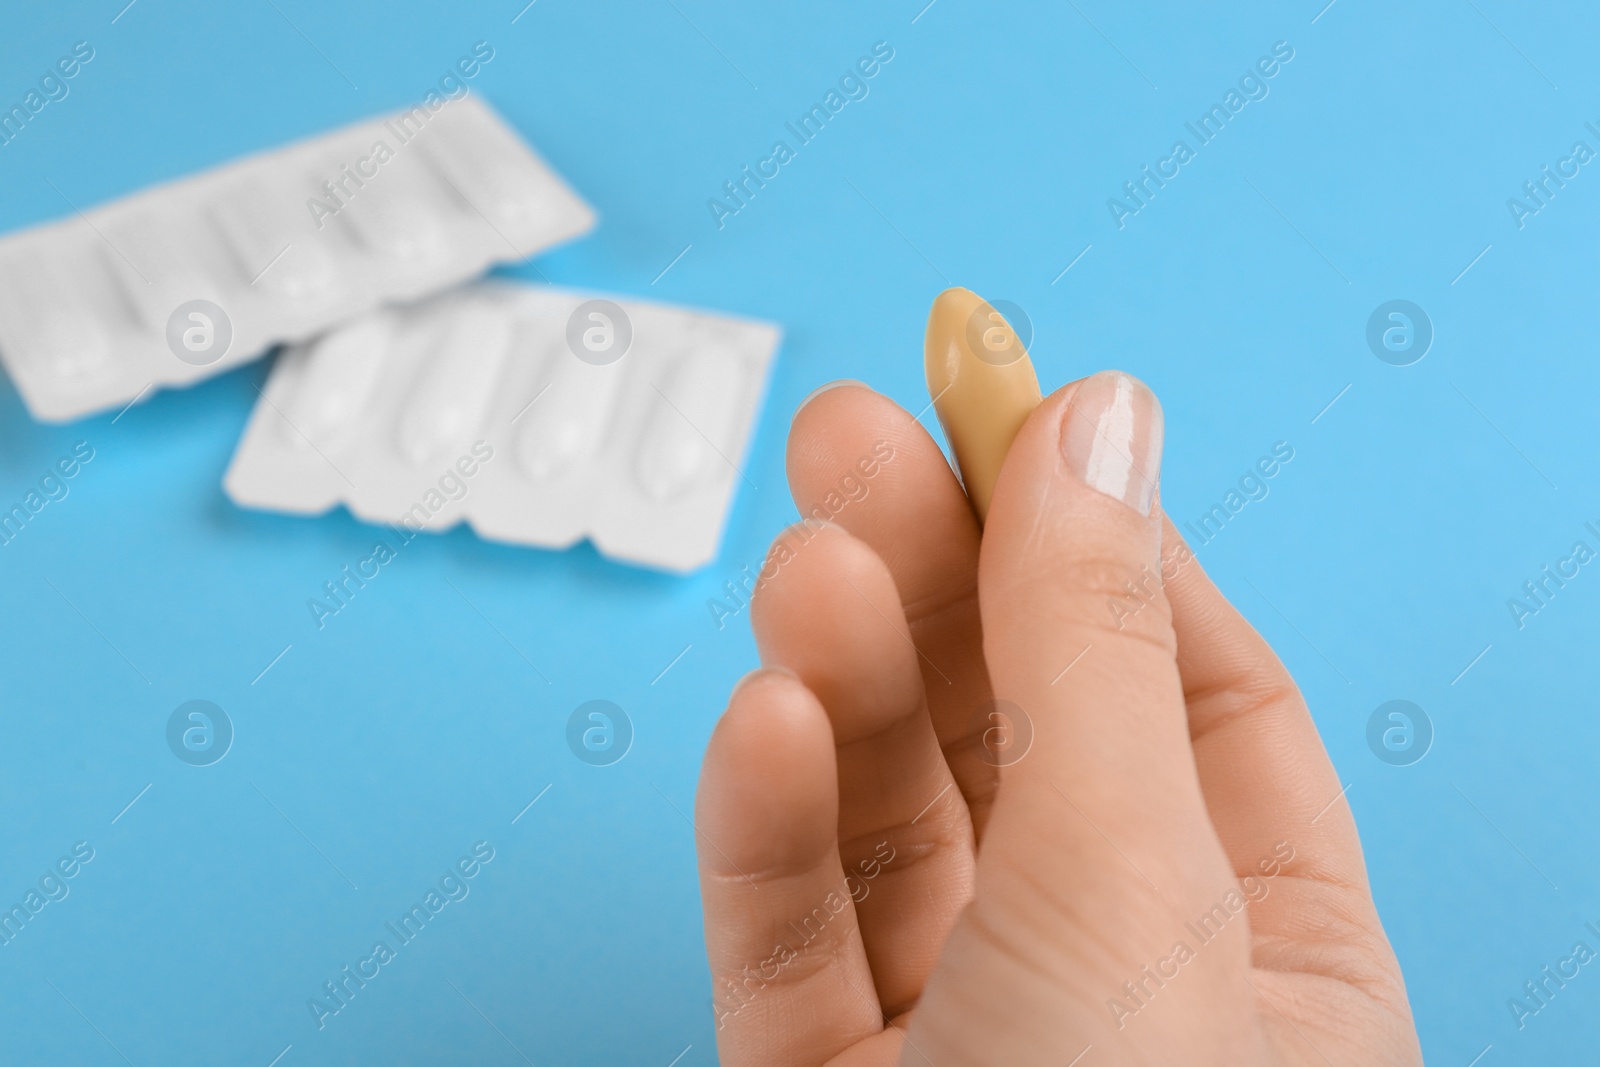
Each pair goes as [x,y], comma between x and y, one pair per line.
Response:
[374,753]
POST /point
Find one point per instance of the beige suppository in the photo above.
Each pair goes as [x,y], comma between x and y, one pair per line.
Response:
[982,385]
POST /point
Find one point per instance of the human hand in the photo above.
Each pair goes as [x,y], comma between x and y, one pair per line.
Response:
[1167,875]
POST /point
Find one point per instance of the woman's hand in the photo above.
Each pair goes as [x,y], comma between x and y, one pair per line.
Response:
[1162,871]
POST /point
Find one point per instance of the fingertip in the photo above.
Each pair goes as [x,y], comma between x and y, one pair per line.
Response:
[1091,442]
[835,433]
[781,554]
[767,800]
[837,383]
[830,610]
[829,408]
[807,555]
[762,675]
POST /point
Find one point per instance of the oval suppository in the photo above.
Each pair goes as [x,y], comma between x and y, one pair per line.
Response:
[687,434]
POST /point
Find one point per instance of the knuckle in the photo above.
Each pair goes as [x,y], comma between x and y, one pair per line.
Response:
[1102,594]
[1101,575]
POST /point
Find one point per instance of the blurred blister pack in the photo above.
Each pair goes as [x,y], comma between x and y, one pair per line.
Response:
[188,278]
[539,416]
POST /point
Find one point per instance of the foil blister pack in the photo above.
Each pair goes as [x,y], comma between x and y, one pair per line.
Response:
[537,415]
[185,279]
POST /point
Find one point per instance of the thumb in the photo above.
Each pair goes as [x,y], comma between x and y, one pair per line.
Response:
[1077,633]
[1099,842]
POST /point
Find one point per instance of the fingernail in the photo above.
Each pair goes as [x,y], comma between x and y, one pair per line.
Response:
[1111,438]
[819,390]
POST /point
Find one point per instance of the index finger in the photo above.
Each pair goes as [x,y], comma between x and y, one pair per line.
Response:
[857,459]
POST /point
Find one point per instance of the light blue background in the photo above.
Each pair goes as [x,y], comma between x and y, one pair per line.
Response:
[1379,566]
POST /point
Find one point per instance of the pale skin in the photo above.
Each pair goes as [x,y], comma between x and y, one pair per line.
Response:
[1174,774]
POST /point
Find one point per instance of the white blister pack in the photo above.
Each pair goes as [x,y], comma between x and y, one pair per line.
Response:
[185,279]
[540,416]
